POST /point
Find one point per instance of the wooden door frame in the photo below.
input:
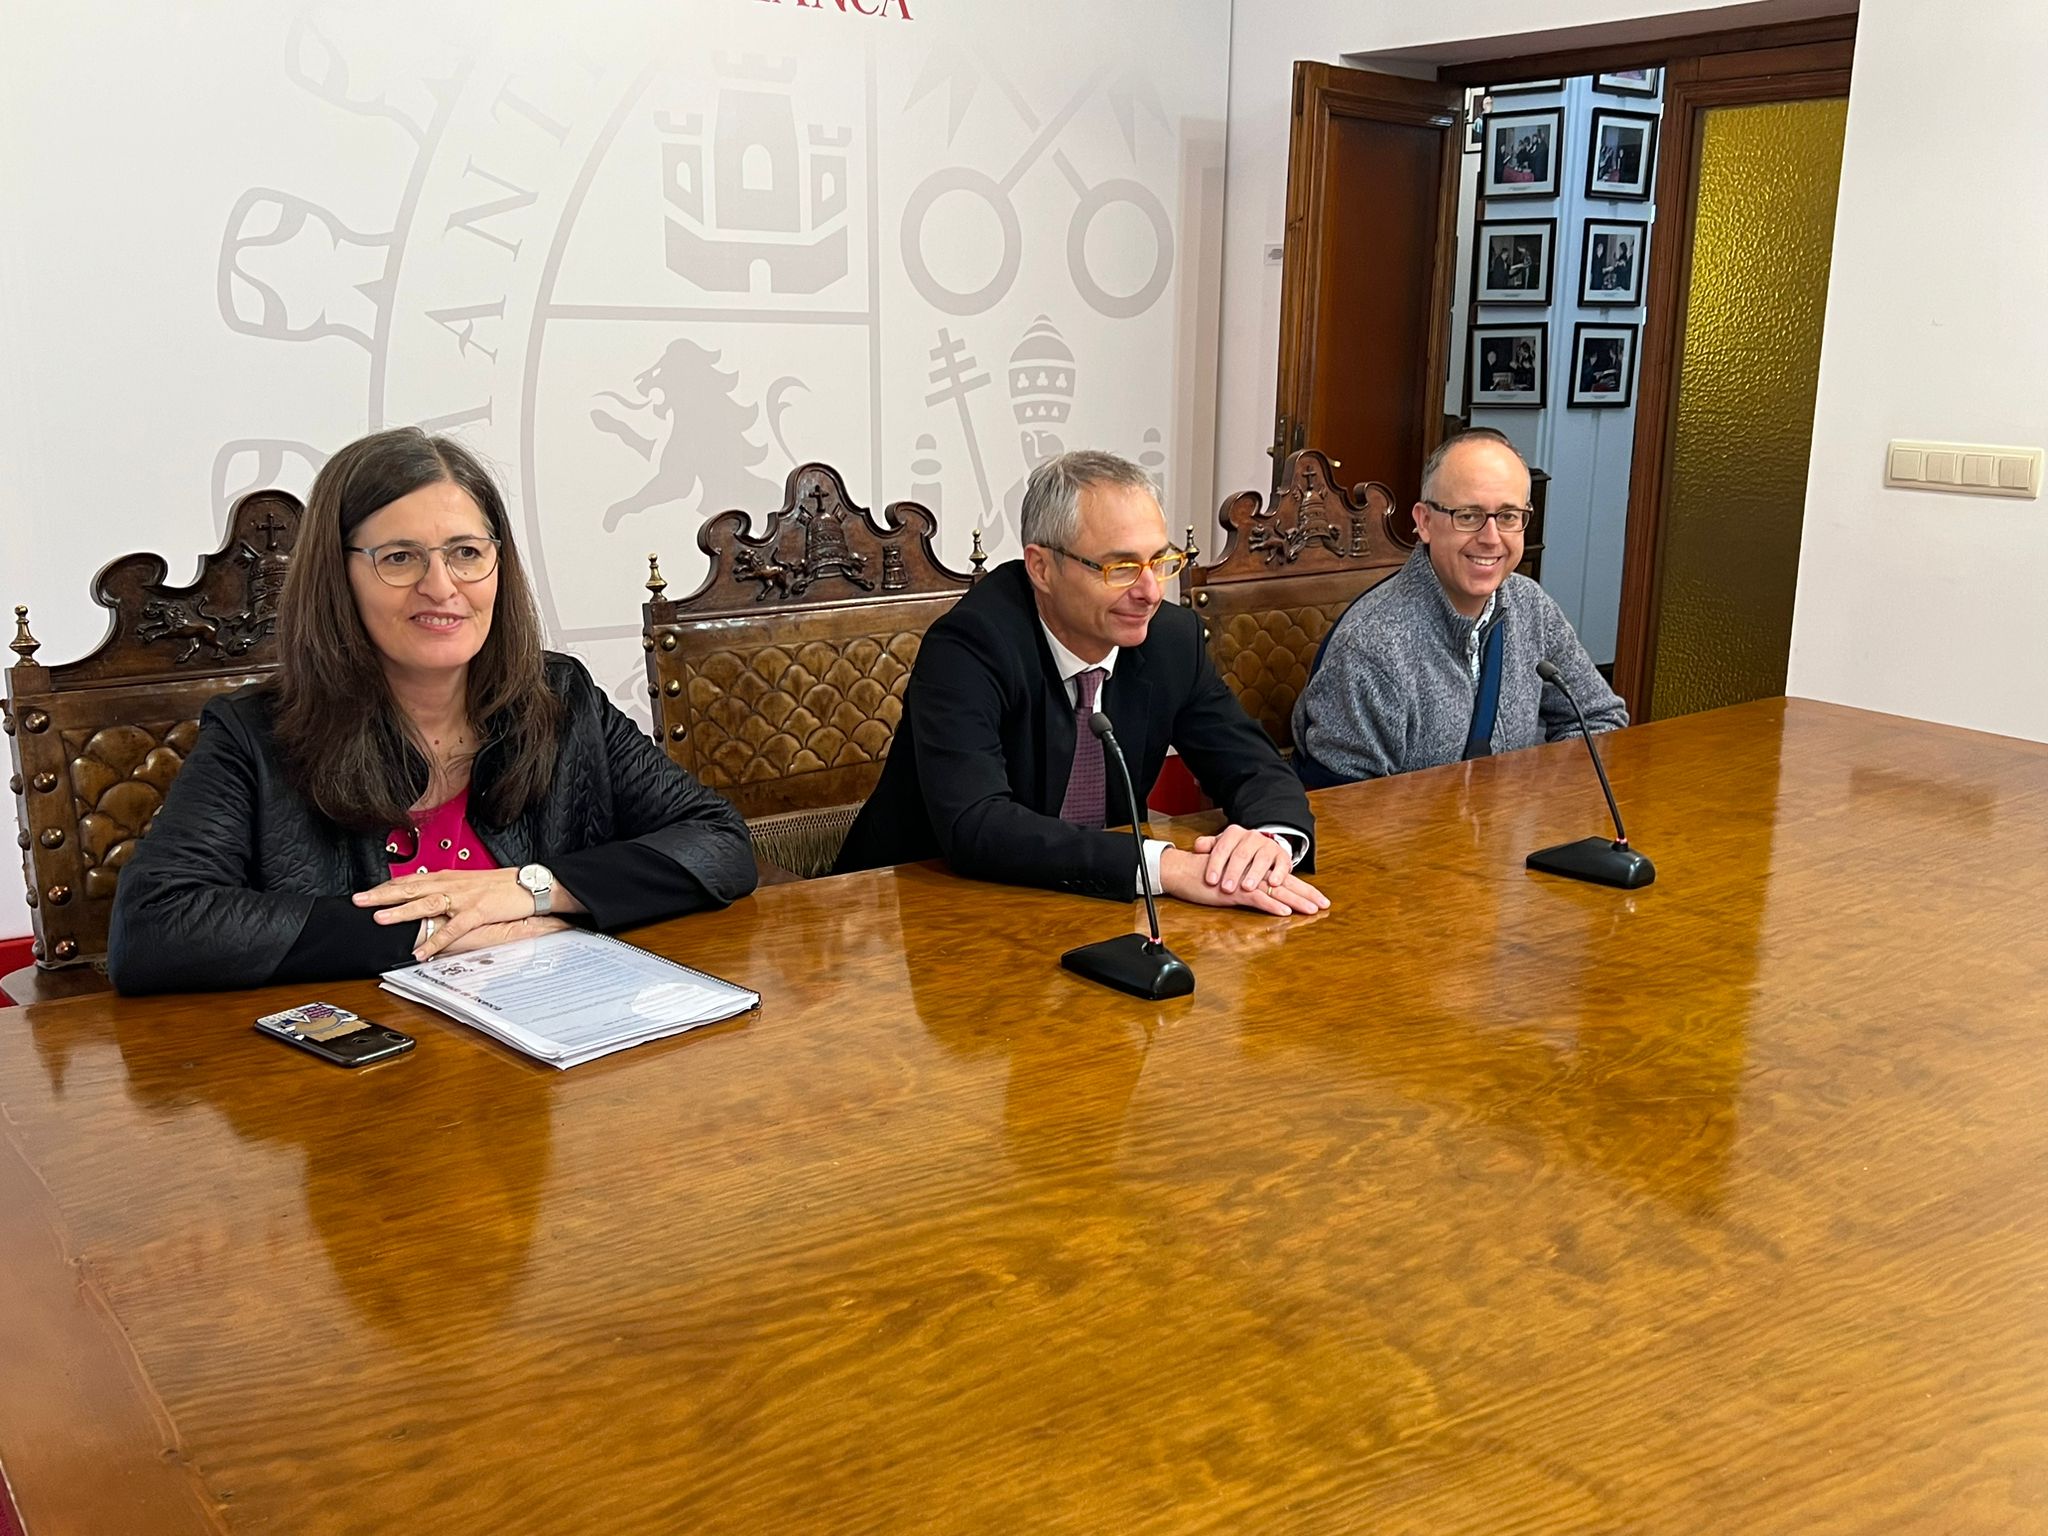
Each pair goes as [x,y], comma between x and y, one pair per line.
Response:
[1321,92]
[1795,61]
[1656,53]
[1693,88]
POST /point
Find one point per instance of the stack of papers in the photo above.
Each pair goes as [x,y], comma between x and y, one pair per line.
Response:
[570,997]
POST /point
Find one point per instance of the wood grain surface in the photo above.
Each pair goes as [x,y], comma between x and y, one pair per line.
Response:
[1483,1202]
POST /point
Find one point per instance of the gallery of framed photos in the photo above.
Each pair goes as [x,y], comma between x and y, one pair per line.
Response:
[1555,236]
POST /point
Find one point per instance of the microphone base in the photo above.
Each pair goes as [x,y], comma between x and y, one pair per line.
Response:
[1596,859]
[1132,963]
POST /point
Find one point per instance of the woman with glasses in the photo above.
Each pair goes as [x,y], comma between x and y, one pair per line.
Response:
[419,776]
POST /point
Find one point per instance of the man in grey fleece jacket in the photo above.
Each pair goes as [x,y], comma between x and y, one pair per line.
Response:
[1398,679]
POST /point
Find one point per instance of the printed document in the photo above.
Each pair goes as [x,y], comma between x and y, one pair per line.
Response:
[570,997]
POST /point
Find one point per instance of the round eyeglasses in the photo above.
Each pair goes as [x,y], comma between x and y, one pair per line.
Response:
[1124,573]
[1472,519]
[403,563]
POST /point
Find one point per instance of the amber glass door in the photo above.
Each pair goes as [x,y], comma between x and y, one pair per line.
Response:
[1763,227]
[1746,192]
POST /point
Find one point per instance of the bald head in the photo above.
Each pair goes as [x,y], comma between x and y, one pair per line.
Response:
[1481,440]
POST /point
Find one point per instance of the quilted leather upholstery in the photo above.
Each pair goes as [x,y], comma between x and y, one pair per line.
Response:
[774,712]
[1265,655]
[119,777]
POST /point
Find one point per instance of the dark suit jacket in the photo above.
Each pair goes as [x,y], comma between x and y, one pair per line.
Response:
[980,761]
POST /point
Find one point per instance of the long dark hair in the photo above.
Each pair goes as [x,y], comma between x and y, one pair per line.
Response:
[346,746]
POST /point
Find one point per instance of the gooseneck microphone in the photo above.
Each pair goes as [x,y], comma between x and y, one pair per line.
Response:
[1130,962]
[1592,858]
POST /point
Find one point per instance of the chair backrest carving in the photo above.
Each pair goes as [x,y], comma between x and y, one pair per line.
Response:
[779,681]
[96,742]
[1287,573]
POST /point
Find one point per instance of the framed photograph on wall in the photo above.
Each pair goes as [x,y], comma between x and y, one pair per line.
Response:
[1522,154]
[1611,263]
[1508,365]
[1628,82]
[1621,159]
[1511,260]
[1526,88]
[1603,365]
[1475,119]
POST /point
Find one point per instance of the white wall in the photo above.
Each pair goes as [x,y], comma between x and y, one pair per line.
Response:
[238,235]
[1919,603]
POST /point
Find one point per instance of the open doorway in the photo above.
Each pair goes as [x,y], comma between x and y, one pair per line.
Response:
[1554,241]
[1626,273]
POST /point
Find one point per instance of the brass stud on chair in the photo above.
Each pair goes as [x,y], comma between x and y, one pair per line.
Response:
[668,642]
[655,582]
[14,784]
[21,840]
[58,894]
[53,837]
[24,644]
[674,687]
[66,948]
[35,721]
[677,733]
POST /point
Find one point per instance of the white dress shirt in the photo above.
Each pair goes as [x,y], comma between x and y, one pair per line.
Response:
[1071,667]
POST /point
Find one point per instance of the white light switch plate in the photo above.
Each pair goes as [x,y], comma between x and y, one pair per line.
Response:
[1970,469]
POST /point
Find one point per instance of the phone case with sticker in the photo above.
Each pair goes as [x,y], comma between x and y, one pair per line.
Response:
[335,1034]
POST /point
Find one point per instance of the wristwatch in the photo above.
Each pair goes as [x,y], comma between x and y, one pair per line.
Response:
[539,882]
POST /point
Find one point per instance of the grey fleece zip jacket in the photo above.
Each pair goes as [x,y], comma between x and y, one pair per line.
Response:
[1394,690]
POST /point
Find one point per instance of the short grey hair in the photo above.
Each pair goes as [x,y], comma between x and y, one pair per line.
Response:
[1052,497]
[1435,461]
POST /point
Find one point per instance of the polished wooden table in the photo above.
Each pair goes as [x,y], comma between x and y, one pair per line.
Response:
[1484,1202]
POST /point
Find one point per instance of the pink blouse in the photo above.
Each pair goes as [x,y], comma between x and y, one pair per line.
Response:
[446,841]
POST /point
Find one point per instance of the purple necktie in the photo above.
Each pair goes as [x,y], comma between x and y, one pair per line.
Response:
[1084,805]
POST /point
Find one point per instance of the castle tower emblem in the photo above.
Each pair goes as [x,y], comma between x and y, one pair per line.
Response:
[747,194]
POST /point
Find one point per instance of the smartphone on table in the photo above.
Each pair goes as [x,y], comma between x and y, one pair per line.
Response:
[334,1034]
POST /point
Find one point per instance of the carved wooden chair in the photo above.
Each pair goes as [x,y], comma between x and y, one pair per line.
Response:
[779,681]
[97,742]
[1287,573]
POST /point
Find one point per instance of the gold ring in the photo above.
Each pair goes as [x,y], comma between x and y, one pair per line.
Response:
[447,905]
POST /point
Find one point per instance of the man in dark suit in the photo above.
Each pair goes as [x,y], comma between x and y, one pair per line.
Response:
[993,766]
